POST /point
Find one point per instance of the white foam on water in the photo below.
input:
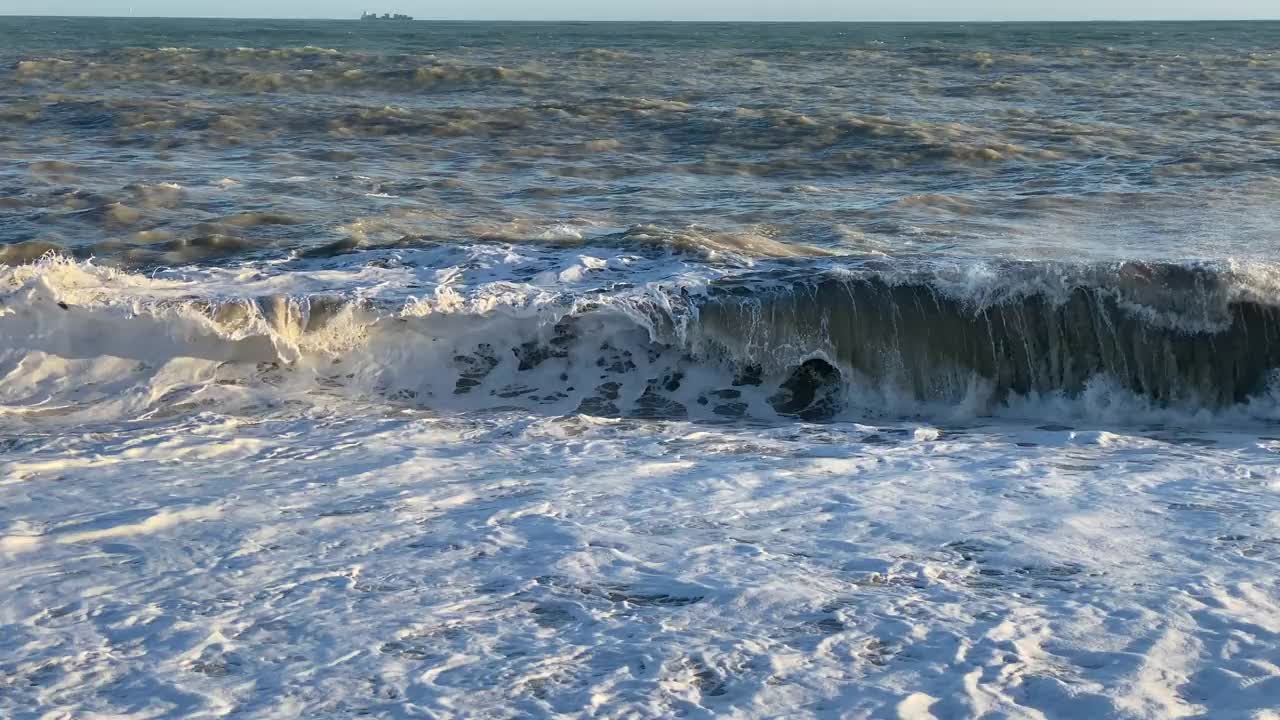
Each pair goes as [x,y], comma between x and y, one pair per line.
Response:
[863,372]
[210,510]
[364,562]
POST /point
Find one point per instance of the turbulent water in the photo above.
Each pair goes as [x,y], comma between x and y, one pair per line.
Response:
[634,370]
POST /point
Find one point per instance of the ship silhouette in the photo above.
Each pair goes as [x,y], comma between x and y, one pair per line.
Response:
[368,16]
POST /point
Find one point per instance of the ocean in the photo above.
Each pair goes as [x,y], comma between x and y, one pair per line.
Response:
[639,370]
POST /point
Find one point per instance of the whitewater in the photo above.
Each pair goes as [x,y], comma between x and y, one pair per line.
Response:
[508,371]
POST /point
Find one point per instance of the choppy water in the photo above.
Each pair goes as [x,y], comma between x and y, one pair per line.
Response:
[639,370]
[1089,183]
[1146,140]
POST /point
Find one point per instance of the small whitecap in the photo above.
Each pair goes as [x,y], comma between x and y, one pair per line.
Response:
[926,434]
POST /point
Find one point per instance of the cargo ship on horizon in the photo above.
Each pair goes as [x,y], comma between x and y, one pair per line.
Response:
[368,16]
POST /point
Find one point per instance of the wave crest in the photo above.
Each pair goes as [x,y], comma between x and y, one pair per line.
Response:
[876,336]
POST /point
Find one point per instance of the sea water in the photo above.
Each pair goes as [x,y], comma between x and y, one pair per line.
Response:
[639,370]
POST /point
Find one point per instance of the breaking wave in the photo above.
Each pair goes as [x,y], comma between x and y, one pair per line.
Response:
[1136,341]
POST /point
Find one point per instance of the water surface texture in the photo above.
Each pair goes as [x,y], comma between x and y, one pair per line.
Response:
[639,370]
[1057,141]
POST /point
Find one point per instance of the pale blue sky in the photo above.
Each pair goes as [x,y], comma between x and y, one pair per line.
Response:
[670,9]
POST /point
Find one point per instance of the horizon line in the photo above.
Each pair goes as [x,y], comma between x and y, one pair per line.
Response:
[676,21]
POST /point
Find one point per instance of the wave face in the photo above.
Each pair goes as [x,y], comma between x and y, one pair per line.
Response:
[1168,333]
[826,342]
